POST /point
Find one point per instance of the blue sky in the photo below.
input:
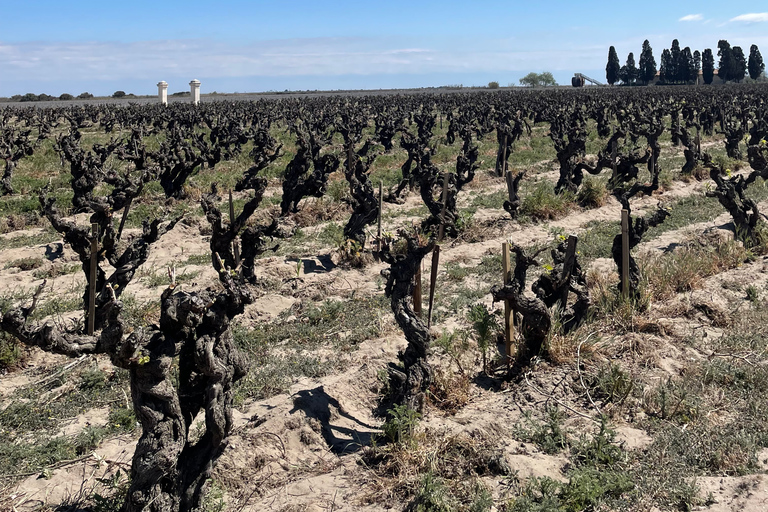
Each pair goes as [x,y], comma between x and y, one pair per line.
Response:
[237,46]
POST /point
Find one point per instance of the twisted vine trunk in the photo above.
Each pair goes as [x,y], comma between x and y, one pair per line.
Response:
[412,380]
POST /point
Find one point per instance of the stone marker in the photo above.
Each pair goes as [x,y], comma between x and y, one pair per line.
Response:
[162,92]
[194,88]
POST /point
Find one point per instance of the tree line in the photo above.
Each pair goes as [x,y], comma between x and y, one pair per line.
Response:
[682,66]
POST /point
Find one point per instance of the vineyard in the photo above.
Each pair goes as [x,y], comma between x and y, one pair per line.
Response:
[511,301]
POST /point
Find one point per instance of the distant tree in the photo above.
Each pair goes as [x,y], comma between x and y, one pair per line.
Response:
[697,64]
[84,96]
[530,80]
[613,67]
[725,65]
[118,94]
[547,80]
[533,79]
[676,68]
[739,64]
[29,97]
[665,71]
[493,85]
[629,72]
[647,70]
[66,97]
[707,66]
[755,65]
[688,68]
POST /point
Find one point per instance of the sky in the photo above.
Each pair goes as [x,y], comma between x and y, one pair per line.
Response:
[239,46]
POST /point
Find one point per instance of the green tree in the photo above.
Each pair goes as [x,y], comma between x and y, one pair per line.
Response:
[647,68]
[665,71]
[697,65]
[725,65]
[628,73]
[675,69]
[739,64]
[755,65]
[118,94]
[707,66]
[688,68]
[613,67]
[534,79]
[547,80]
[530,80]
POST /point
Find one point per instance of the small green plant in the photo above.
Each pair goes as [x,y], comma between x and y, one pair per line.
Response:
[549,435]
[432,496]
[753,294]
[486,325]
[401,425]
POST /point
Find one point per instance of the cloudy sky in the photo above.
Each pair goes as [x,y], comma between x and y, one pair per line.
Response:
[238,46]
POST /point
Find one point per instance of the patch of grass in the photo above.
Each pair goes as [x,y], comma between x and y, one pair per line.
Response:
[56,270]
[592,193]
[25,264]
[685,268]
[16,242]
[549,435]
[541,202]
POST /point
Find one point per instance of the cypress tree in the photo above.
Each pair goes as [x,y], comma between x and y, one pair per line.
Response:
[707,66]
[647,64]
[688,65]
[676,68]
[613,67]
[739,64]
[725,65]
[665,72]
[756,65]
[629,72]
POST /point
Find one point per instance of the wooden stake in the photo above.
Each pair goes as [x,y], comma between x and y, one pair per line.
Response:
[504,156]
[92,282]
[433,282]
[441,231]
[510,185]
[235,247]
[381,202]
[417,292]
[625,254]
[570,261]
[125,216]
[614,163]
[698,142]
[509,327]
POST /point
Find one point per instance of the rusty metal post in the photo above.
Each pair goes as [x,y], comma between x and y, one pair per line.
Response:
[433,282]
[93,277]
[509,327]
[625,254]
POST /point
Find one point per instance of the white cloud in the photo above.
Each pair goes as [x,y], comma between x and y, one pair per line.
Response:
[692,17]
[753,17]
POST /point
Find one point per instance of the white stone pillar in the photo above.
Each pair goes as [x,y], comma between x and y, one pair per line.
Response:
[162,92]
[194,88]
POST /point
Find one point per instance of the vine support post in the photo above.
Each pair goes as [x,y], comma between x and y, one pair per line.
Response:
[417,291]
[698,142]
[510,185]
[381,202]
[614,164]
[441,231]
[433,282]
[625,254]
[570,260]
[92,281]
[504,156]
[125,216]
[506,266]
[235,248]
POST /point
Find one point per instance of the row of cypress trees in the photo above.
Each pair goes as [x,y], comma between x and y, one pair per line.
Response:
[681,66]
